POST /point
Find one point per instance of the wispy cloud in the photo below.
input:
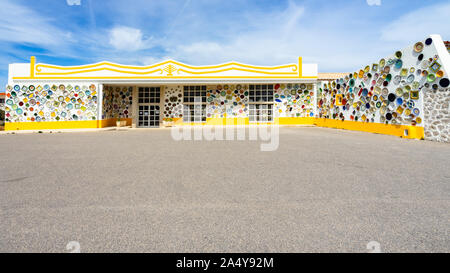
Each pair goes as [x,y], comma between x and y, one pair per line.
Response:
[373,2]
[27,26]
[419,23]
[128,39]
[200,32]
[73,2]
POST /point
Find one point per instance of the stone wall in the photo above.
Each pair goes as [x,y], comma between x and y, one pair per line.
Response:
[437,115]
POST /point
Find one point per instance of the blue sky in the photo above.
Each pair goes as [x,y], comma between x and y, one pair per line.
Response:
[340,36]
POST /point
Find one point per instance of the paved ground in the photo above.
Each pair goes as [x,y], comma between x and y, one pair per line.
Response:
[323,190]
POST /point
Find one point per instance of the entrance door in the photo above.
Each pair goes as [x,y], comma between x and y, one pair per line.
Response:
[149,100]
[148,116]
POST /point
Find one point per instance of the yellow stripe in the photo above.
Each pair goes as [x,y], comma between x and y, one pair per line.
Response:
[93,68]
[39,66]
[414,132]
[55,125]
[32,63]
[300,68]
[239,69]
[294,120]
[164,77]
[100,69]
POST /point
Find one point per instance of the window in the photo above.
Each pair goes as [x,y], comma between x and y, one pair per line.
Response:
[190,92]
[149,94]
[260,113]
[194,113]
[260,103]
[2,101]
[261,93]
[194,106]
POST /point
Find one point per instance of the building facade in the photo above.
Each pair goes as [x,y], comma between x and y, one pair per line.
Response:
[405,94]
[42,96]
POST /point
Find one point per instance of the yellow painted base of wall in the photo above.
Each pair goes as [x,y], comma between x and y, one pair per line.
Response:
[59,125]
[294,121]
[415,132]
[227,121]
[112,122]
[245,121]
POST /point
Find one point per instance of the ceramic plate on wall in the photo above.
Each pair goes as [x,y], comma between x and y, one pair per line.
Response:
[418,47]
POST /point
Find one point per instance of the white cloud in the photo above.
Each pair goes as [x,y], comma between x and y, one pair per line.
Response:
[128,39]
[73,2]
[278,37]
[274,38]
[324,36]
[374,2]
[418,24]
[27,26]
[255,35]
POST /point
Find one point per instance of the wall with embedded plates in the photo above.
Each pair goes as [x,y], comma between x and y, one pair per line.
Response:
[294,100]
[117,102]
[408,87]
[173,102]
[290,100]
[51,102]
[231,100]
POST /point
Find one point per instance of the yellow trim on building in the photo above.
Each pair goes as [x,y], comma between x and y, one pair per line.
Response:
[300,71]
[51,125]
[294,120]
[239,69]
[163,77]
[60,125]
[39,66]
[227,121]
[245,121]
[112,122]
[414,132]
[32,65]
[36,72]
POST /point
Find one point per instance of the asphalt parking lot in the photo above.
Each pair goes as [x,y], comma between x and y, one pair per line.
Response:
[323,190]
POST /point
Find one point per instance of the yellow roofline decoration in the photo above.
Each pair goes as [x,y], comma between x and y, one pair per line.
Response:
[169,69]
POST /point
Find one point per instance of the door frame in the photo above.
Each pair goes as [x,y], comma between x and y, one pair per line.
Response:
[137,104]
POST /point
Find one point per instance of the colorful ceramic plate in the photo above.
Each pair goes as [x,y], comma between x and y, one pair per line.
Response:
[418,47]
[431,77]
[444,82]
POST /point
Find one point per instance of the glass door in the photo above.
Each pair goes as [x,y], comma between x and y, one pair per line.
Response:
[149,107]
